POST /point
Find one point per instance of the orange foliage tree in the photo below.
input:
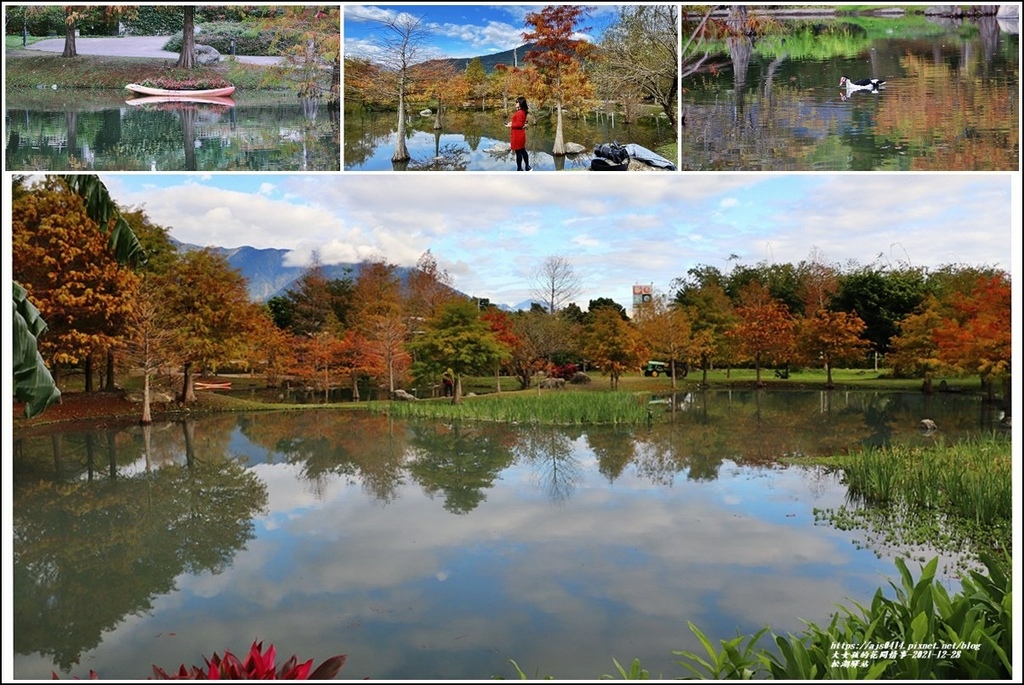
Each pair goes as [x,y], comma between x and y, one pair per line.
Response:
[667,330]
[827,337]
[613,345]
[558,58]
[62,259]
[764,329]
[975,337]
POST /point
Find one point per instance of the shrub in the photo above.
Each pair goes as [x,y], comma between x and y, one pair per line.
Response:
[249,39]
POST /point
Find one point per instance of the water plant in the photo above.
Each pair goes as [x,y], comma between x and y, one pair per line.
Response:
[920,633]
[554,407]
[956,498]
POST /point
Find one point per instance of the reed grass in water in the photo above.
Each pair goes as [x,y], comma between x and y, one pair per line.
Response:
[559,407]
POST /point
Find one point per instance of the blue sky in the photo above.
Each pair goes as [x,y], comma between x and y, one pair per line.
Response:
[456,30]
[616,230]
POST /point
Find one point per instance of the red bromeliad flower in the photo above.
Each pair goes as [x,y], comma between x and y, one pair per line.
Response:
[258,665]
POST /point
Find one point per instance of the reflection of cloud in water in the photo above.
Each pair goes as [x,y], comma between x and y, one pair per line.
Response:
[615,570]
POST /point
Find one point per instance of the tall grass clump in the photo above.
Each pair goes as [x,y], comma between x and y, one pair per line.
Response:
[556,407]
[970,479]
[955,498]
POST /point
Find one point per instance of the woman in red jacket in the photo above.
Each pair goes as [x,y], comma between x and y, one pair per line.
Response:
[518,134]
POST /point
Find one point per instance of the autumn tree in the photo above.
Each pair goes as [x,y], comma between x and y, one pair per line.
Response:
[62,258]
[208,306]
[639,53]
[457,339]
[503,327]
[379,318]
[427,288]
[667,331]
[555,283]
[613,345]
[559,58]
[827,337]
[764,329]
[312,60]
[914,350]
[540,337]
[975,337]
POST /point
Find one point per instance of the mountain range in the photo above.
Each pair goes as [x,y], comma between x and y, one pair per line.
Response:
[267,275]
[510,58]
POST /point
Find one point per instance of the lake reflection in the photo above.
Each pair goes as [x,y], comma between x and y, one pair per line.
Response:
[105,131]
[950,101]
[478,141]
[432,551]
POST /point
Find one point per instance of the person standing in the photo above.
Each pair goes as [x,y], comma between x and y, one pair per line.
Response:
[517,136]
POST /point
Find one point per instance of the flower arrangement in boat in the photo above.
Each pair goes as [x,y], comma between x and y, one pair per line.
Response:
[190,83]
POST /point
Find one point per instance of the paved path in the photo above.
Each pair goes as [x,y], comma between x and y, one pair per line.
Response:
[131,46]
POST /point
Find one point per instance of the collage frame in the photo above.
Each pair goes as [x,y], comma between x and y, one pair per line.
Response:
[844,156]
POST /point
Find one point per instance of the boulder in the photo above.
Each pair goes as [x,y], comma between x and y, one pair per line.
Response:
[579,378]
[928,425]
[403,396]
[553,383]
[206,55]
[574,148]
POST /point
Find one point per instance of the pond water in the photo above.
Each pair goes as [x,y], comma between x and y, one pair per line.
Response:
[425,550]
[478,141]
[950,101]
[101,131]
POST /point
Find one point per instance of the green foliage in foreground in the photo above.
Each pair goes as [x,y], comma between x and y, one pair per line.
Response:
[956,498]
[921,633]
[548,407]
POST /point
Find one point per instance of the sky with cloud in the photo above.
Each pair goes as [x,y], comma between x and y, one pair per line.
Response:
[617,230]
[455,30]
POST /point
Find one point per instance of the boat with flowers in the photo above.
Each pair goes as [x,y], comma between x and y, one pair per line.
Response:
[140,89]
[180,100]
[212,385]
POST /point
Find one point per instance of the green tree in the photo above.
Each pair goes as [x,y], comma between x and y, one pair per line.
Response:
[460,340]
[477,79]
[881,298]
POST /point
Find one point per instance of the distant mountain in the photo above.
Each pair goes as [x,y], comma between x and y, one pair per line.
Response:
[509,58]
[267,276]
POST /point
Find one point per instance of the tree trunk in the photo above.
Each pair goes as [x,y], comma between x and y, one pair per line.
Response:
[147,418]
[187,56]
[457,390]
[70,48]
[559,147]
[110,386]
[355,387]
[188,390]
[401,151]
[89,372]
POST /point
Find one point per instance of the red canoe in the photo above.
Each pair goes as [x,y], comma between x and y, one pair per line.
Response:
[164,92]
